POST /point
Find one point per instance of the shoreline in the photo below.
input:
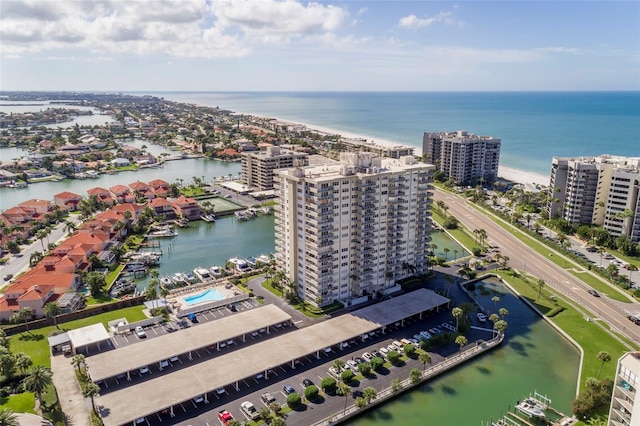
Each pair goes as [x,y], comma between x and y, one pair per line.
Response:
[531,180]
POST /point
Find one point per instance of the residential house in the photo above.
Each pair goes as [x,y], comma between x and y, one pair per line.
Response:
[187,208]
[120,162]
[162,208]
[123,194]
[143,189]
[160,187]
[67,200]
[102,194]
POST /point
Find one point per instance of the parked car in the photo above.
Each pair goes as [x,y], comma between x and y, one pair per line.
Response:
[288,389]
[164,363]
[367,356]
[250,410]
[220,391]
[144,370]
[307,383]
[267,398]
[140,332]
[481,317]
[198,399]
[225,417]
[193,318]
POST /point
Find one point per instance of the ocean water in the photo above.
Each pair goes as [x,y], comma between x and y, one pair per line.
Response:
[534,126]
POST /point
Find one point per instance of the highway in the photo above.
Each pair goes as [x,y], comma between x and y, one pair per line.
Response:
[531,262]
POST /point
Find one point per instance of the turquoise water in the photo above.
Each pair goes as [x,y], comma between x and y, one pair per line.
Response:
[533,357]
[209,295]
[533,126]
[442,241]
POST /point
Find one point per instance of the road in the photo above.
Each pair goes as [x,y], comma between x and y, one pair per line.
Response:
[531,262]
[19,263]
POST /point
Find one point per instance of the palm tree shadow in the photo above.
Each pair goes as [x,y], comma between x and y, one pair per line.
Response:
[31,336]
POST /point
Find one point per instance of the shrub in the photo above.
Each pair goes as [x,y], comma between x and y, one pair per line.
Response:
[294,401]
[409,350]
[364,368]
[393,357]
[347,376]
[477,251]
[328,384]
[377,363]
[311,392]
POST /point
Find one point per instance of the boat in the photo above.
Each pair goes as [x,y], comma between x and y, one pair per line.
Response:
[531,408]
[166,281]
[135,267]
[251,261]
[164,233]
[202,274]
[208,218]
[216,271]
[190,277]
[263,258]
[242,265]
[122,287]
[179,278]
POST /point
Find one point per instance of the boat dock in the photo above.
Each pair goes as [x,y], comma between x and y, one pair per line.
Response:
[535,410]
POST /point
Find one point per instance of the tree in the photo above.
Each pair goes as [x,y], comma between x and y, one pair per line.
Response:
[364,368]
[461,341]
[603,356]
[24,315]
[294,400]
[277,421]
[446,252]
[311,392]
[377,363]
[425,359]
[495,300]
[8,417]
[369,393]
[265,413]
[91,390]
[38,381]
[395,385]
[409,350]
[77,361]
[393,357]
[96,282]
[503,312]
[22,362]
[500,326]
[52,310]
[328,384]
[338,364]
[457,314]
[415,375]
[347,376]
[344,390]
[541,284]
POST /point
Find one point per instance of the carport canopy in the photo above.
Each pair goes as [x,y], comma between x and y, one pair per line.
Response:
[131,357]
[89,335]
[57,341]
[401,307]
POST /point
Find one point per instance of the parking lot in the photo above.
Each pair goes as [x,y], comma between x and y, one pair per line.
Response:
[205,412]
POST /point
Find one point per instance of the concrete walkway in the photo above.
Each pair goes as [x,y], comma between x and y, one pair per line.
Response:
[74,405]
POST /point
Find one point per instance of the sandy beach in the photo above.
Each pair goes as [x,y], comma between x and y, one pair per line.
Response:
[529,179]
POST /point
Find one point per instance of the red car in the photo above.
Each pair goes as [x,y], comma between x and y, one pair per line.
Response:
[225,417]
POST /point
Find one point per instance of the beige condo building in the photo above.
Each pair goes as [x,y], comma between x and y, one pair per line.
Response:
[625,396]
[466,158]
[348,231]
[258,166]
[599,190]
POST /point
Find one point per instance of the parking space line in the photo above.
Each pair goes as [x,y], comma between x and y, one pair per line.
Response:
[283,370]
[183,409]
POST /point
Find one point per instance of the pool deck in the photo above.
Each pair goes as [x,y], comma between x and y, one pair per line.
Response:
[220,287]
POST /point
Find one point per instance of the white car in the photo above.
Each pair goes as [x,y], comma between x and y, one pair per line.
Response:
[144,370]
[164,364]
[250,410]
[173,359]
[367,356]
[198,399]
[481,317]
[425,334]
[220,391]
[397,344]
[384,352]
[351,363]
[140,332]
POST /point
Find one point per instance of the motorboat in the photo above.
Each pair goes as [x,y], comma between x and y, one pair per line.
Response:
[166,281]
[208,217]
[135,267]
[242,265]
[531,408]
[203,274]
[263,258]
[163,233]
[122,287]
[216,271]
[179,278]
[190,277]
[251,261]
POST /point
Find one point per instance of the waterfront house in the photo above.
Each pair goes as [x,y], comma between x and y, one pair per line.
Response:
[102,194]
[122,194]
[37,207]
[120,162]
[67,200]
[143,189]
[160,187]
[187,208]
[162,208]
[135,210]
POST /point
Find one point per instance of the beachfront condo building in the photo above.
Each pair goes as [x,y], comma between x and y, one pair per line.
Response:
[625,396]
[599,190]
[465,158]
[348,231]
[258,166]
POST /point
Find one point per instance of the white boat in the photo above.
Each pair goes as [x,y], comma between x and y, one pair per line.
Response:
[135,267]
[122,287]
[251,261]
[208,218]
[164,233]
[179,278]
[242,266]
[531,408]
[190,277]
[263,258]
[166,281]
[202,274]
[216,271]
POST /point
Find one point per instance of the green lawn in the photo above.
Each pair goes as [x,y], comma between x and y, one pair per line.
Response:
[20,403]
[35,344]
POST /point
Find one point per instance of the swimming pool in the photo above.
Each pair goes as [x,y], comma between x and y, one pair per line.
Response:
[206,296]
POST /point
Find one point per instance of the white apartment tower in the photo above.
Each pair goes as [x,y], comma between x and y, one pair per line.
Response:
[258,166]
[625,396]
[466,158]
[347,231]
[597,190]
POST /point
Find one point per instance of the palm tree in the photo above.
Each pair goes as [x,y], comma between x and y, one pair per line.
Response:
[415,375]
[24,315]
[8,417]
[631,269]
[22,362]
[369,393]
[91,390]
[503,312]
[500,326]
[541,284]
[457,314]
[77,361]
[446,252]
[494,318]
[461,341]
[603,356]
[495,300]
[338,364]
[344,390]
[69,226]
[455,254]
[425,359]
[38,381]
[52,310]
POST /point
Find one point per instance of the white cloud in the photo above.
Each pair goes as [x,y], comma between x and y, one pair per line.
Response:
[413,22]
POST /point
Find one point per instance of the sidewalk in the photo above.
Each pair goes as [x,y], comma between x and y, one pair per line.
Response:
[73,404]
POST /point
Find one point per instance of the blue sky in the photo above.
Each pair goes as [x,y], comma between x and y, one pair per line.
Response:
[273,45]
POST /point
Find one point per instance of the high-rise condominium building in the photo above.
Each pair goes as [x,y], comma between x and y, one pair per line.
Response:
[347,231]
[597,190]
[466,158]
[258,166]
[625,397]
